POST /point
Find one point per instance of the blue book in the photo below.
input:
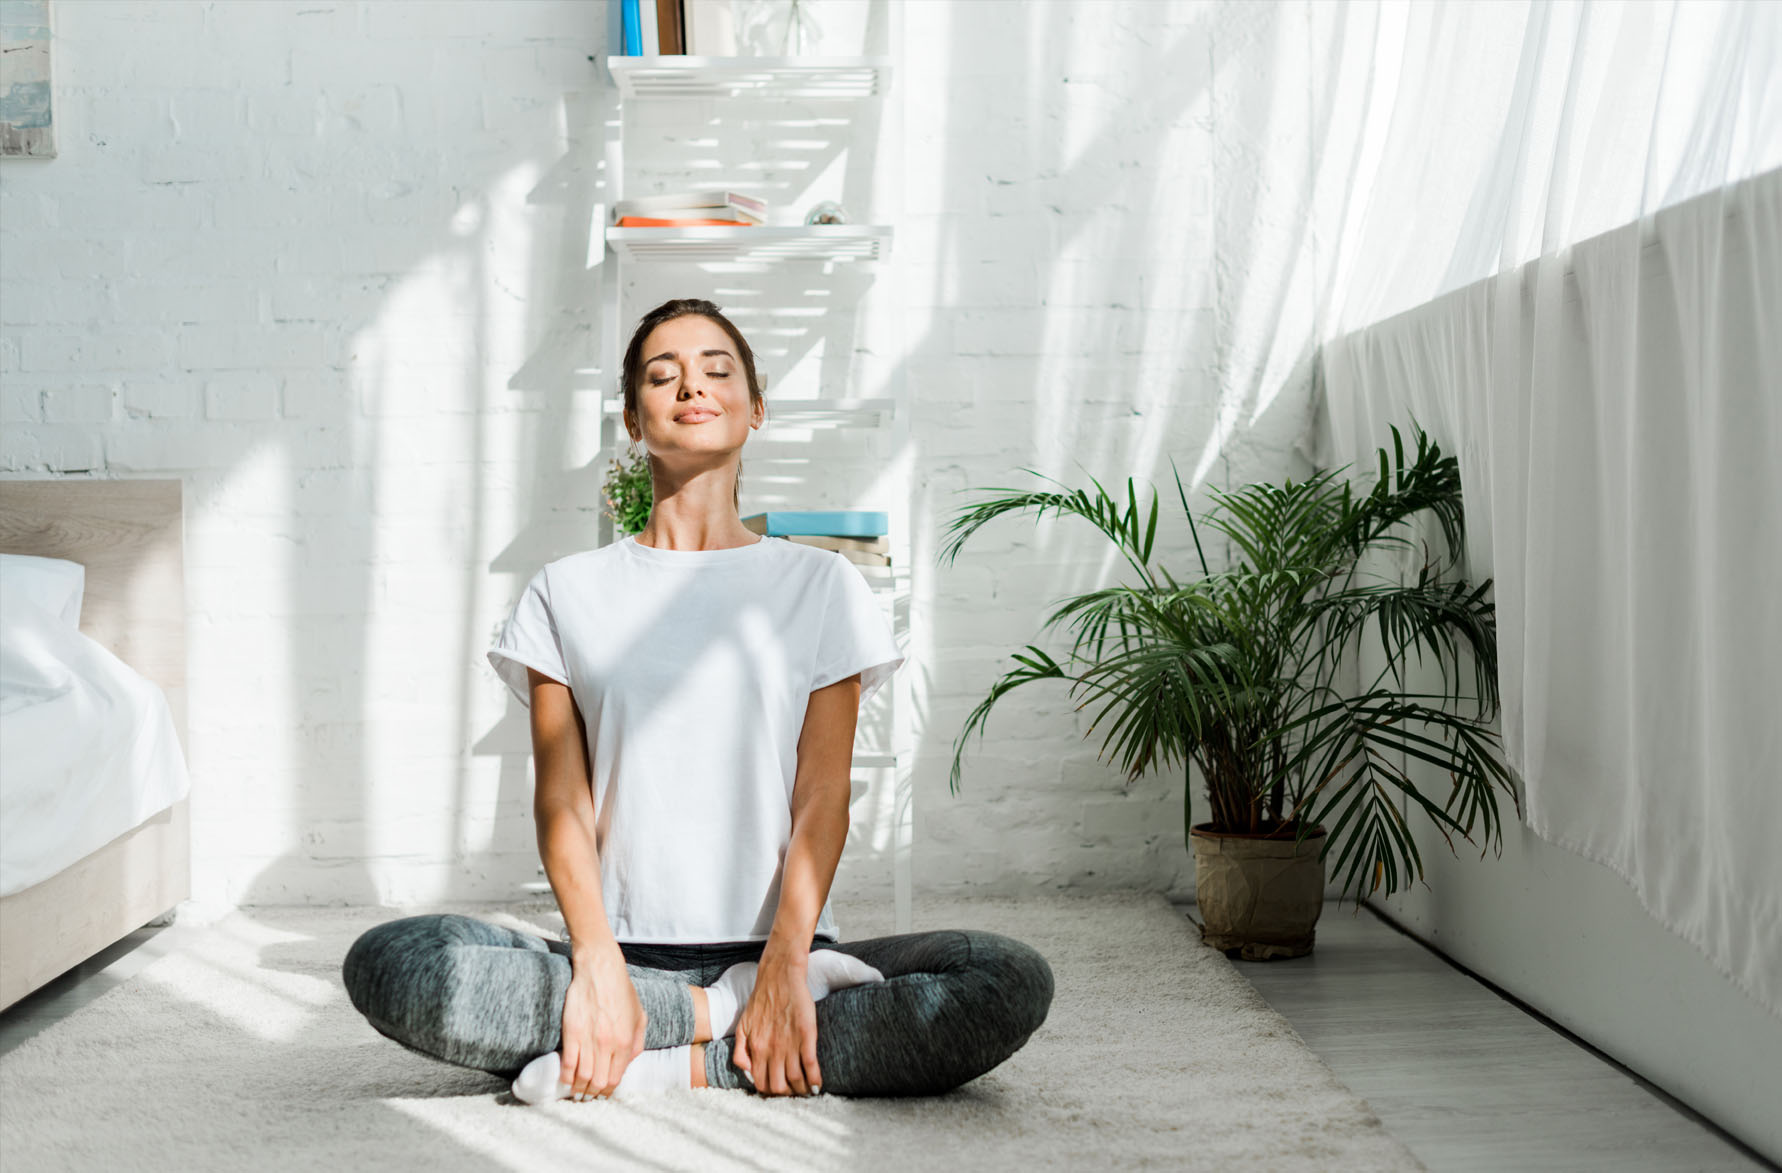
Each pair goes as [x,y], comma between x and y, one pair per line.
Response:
[633,28]
[834,523]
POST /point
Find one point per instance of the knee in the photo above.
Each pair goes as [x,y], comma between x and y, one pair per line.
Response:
[1021,977]
[372,959]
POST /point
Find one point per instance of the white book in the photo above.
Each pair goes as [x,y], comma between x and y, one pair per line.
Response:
[649,35]
[677,201]
[710,26]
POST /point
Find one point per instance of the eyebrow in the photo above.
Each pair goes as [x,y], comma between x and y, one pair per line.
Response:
[669,354]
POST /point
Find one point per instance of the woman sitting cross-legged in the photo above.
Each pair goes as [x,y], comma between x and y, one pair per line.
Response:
[694,691]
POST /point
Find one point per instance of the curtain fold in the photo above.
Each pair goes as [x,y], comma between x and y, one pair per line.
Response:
[1462,138]
[1553,234]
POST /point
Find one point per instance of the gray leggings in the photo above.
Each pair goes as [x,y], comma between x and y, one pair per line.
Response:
[954,1003]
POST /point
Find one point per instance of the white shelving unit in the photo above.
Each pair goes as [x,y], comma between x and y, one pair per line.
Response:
[848,79]
[708,242]
[754,77]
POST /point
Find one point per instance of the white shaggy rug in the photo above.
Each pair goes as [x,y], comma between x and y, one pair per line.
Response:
[242,1052]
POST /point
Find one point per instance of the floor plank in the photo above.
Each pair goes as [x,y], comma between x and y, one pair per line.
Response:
[1467,1078]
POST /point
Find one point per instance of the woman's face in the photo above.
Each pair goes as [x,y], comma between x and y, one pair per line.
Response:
[695,395]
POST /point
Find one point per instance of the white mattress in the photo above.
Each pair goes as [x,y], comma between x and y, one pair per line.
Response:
[88,749]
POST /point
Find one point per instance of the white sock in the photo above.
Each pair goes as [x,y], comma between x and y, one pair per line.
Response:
[829,969]
[661,1070]
[652,1071]
[726,997]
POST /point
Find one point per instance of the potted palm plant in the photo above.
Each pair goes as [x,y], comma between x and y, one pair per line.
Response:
[1235,671]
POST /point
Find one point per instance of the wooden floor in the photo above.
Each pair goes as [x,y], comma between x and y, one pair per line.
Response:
[1466,1078]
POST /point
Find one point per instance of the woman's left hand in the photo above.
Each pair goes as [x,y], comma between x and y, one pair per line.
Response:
[776,1033]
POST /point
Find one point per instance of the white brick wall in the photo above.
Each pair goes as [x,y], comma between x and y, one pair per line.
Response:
[323,260]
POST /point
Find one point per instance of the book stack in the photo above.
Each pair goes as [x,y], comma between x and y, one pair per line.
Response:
[856,534]
[660,28]
[679,209]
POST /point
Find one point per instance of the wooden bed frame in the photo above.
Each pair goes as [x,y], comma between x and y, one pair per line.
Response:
[130,536]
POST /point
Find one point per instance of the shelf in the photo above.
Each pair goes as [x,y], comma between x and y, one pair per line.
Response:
[838,87]
[848,78]
[816,242]
[812,413]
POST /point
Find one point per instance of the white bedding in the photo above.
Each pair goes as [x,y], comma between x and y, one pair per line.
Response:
[88,749]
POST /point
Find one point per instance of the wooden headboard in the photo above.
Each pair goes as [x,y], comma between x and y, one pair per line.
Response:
[130,536]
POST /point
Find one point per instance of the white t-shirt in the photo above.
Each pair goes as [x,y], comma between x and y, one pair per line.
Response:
[692,670]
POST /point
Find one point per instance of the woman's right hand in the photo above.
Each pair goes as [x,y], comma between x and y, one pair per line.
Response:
[603,1026]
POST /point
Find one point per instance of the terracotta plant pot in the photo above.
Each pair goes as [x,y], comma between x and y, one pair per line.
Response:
[1258,895]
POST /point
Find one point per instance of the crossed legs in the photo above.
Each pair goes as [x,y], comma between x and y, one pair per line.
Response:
[953,1005]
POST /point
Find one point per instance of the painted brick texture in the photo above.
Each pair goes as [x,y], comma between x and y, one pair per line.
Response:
[325,261]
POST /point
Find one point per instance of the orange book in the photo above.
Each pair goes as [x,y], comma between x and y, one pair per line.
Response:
[660,222]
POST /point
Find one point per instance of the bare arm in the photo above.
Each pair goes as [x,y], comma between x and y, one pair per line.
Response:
[603,1020]
[776,1034]
[819,815]
[563,807]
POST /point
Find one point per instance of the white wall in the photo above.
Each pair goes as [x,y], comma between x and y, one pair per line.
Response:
[323,261]
[1100,243]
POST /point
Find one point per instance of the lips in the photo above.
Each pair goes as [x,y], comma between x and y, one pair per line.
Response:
[696,416]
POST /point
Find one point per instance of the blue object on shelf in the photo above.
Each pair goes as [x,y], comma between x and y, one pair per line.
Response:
[835,523]
[633,28]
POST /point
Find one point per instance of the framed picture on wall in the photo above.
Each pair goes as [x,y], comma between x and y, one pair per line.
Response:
[27,125]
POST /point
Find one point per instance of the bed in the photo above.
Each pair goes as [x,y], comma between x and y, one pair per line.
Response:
[95,835]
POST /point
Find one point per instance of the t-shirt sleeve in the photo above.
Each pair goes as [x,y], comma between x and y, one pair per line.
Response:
[856,635]
[529,641]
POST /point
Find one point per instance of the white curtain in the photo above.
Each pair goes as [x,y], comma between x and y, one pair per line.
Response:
[1573,213]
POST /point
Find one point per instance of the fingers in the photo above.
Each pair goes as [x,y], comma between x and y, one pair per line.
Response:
[776,1072]
[597,1075]
[794,1074]
[578,1077]
[781,1061]
[593,1073]
[603,1080]
[785,1076]
[615,1072]
[571,1055]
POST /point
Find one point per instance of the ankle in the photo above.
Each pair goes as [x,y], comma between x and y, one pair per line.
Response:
[698,1065]
[702,1015]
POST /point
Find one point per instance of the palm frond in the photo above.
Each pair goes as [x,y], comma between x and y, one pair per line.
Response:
[1122,527]
[1442,617]
[1039,666]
